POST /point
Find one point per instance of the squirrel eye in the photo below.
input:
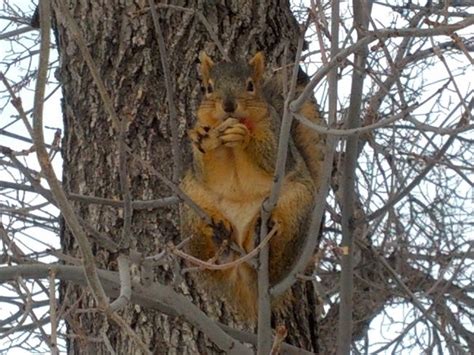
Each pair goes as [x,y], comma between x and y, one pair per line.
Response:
[250,86]
[209,88]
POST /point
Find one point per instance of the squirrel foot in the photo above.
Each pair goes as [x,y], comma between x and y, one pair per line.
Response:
[222,237]
[221,230]
[271,223]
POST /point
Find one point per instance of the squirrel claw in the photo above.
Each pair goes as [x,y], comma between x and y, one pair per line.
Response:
[222,230]
[204,138]
[271,223]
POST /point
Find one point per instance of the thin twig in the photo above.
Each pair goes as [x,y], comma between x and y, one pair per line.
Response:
[212,266]
[136,204]
[52,313]
[43,158]
[401,194]
[280,335]
[125,284]
[34,318]
[16,32]
[173,118]
[362,11]
[126,238]
[404,114]
[27,307]
[414,300]
[177,190]
[75,32]
[264,332]
[16,102]
[105,338]
[34,181]
[311,240]
[368,38]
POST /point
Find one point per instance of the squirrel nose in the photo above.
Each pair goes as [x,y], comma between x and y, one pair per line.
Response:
[229,106]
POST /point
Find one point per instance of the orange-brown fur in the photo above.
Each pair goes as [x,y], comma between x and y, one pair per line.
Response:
[234,151]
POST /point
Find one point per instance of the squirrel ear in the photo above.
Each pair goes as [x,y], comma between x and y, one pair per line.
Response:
[258,65]
[205,67]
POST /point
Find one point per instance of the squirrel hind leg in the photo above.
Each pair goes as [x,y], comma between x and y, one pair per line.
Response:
[245,295]
[309,143]
[237,286]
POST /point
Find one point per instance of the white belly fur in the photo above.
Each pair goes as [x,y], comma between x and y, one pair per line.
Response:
[240,214]
[238,187]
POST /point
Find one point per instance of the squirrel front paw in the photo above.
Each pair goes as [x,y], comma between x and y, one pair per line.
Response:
[204,138]
[221,231]
[235,135]
[230,133]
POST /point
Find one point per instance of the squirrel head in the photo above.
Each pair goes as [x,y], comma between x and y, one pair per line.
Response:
[231,87]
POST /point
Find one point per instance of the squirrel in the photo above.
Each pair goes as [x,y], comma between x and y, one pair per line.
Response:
[234,144]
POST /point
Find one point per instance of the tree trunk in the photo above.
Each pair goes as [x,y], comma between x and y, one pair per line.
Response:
[121,39]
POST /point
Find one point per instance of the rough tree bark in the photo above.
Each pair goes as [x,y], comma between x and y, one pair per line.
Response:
[121,38]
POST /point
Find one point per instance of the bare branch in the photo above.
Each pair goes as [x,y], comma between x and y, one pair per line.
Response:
[155,296]
[177,159]
[52,313]
[47,169]
[362,11]
[125,284]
